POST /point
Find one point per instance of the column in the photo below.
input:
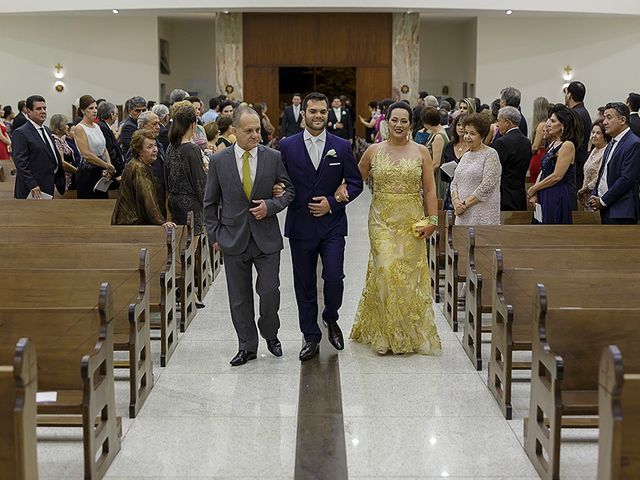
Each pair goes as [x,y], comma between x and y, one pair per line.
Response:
[406,56]
[229,54]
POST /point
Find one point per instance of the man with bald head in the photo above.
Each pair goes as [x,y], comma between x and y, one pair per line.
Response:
[240,216]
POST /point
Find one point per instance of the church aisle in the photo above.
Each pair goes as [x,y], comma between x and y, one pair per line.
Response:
[404,416]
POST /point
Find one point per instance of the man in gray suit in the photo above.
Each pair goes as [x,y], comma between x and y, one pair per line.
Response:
[240,216]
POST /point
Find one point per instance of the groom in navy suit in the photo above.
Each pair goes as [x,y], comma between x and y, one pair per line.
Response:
[316,225]
[616,191]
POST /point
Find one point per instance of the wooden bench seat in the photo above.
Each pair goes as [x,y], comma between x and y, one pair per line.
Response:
[595,254]
[75,354]
[619,411]
[516,275]
[18,386]
[437,245]
[49,288]
[567,345]
[64,256]
[457,247]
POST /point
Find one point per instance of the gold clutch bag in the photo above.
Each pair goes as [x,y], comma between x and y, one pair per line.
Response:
[424,222]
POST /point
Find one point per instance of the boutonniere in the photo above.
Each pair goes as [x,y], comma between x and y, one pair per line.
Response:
[331,153]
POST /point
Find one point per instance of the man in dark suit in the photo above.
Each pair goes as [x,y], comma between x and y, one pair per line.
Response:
[316,224]
[38,162]
[514,150]
[21,118]
[633,102]
[291,117]
[134,106]
[339,122]
[511,97]
[616,191]
[574,95]
[107,116]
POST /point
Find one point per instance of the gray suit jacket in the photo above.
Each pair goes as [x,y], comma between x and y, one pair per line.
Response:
[226,207]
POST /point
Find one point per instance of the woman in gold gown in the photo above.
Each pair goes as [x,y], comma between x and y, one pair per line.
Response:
[395,311]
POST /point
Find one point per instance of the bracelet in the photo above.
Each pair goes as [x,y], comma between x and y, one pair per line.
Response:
[432,220]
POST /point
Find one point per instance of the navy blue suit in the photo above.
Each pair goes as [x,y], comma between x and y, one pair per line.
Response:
[311,236]
[623,176]
[36,162]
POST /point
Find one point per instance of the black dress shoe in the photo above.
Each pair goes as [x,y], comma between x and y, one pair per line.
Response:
[242,357]
[335,335]
[275,347]
[309,350]
[200,304]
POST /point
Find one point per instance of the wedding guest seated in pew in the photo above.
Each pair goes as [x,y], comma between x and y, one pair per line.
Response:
[137,203]
[553,191]
[616,192]
[475,190]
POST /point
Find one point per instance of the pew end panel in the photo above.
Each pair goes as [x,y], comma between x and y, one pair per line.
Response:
[434,265]
[187,276]
[472,328]
[451,276]
[168,314]
[619,410]
[18,386]
[101,428]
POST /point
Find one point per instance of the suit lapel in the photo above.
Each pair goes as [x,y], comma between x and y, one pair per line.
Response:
[36,135]
[305,153]
[233,167]
[323,157]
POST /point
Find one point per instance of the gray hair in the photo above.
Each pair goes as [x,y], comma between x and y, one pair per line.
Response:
[177,95]
[431,101]
[160,110]
[243,110]
[57,123]
[134,102]
[511,96]
[511,114]
[105,110]
[143,119]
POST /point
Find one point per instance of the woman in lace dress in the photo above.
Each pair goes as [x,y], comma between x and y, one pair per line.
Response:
[395,311]
[599,140]
[475,189]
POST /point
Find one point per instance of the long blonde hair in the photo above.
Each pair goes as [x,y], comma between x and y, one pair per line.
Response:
[540,113]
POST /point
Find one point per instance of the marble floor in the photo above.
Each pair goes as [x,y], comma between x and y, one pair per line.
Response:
[404,416]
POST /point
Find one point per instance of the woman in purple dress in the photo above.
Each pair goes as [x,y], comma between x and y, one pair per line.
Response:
[552,190]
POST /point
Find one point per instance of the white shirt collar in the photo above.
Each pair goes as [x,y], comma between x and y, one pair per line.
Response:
[320,138]
[239,152]
[618,137]
[38,127]
[633,113]
[513,128]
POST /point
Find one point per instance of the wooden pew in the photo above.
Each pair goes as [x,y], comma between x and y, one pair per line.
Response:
[567,344]
[75,359]
[516,273]
[457,247]
[619,410]
[480,265]
[186,273]
[437,245]
[18,386]
[142,236]
[50,288]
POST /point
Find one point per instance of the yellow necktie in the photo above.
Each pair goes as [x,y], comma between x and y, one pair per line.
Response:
[247,184]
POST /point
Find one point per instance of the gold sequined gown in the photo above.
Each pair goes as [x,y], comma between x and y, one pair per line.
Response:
[395,311]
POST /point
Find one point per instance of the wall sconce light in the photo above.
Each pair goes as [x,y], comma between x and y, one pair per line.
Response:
[59,73]
[567,73]
[59,86]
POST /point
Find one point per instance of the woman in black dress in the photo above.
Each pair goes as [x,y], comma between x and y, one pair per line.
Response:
[185,177]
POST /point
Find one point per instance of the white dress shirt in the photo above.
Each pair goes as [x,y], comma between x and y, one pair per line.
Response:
[47,140]
[338,113]
[253,161]
[603,186]
[315,146]
[296,112]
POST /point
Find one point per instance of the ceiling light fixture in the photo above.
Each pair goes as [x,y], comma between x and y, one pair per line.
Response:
[226,12]
[509,12]
[115,11]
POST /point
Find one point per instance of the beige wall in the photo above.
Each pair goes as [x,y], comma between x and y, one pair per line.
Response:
[113,58]
[192,56]
[447,55]
[530,54]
